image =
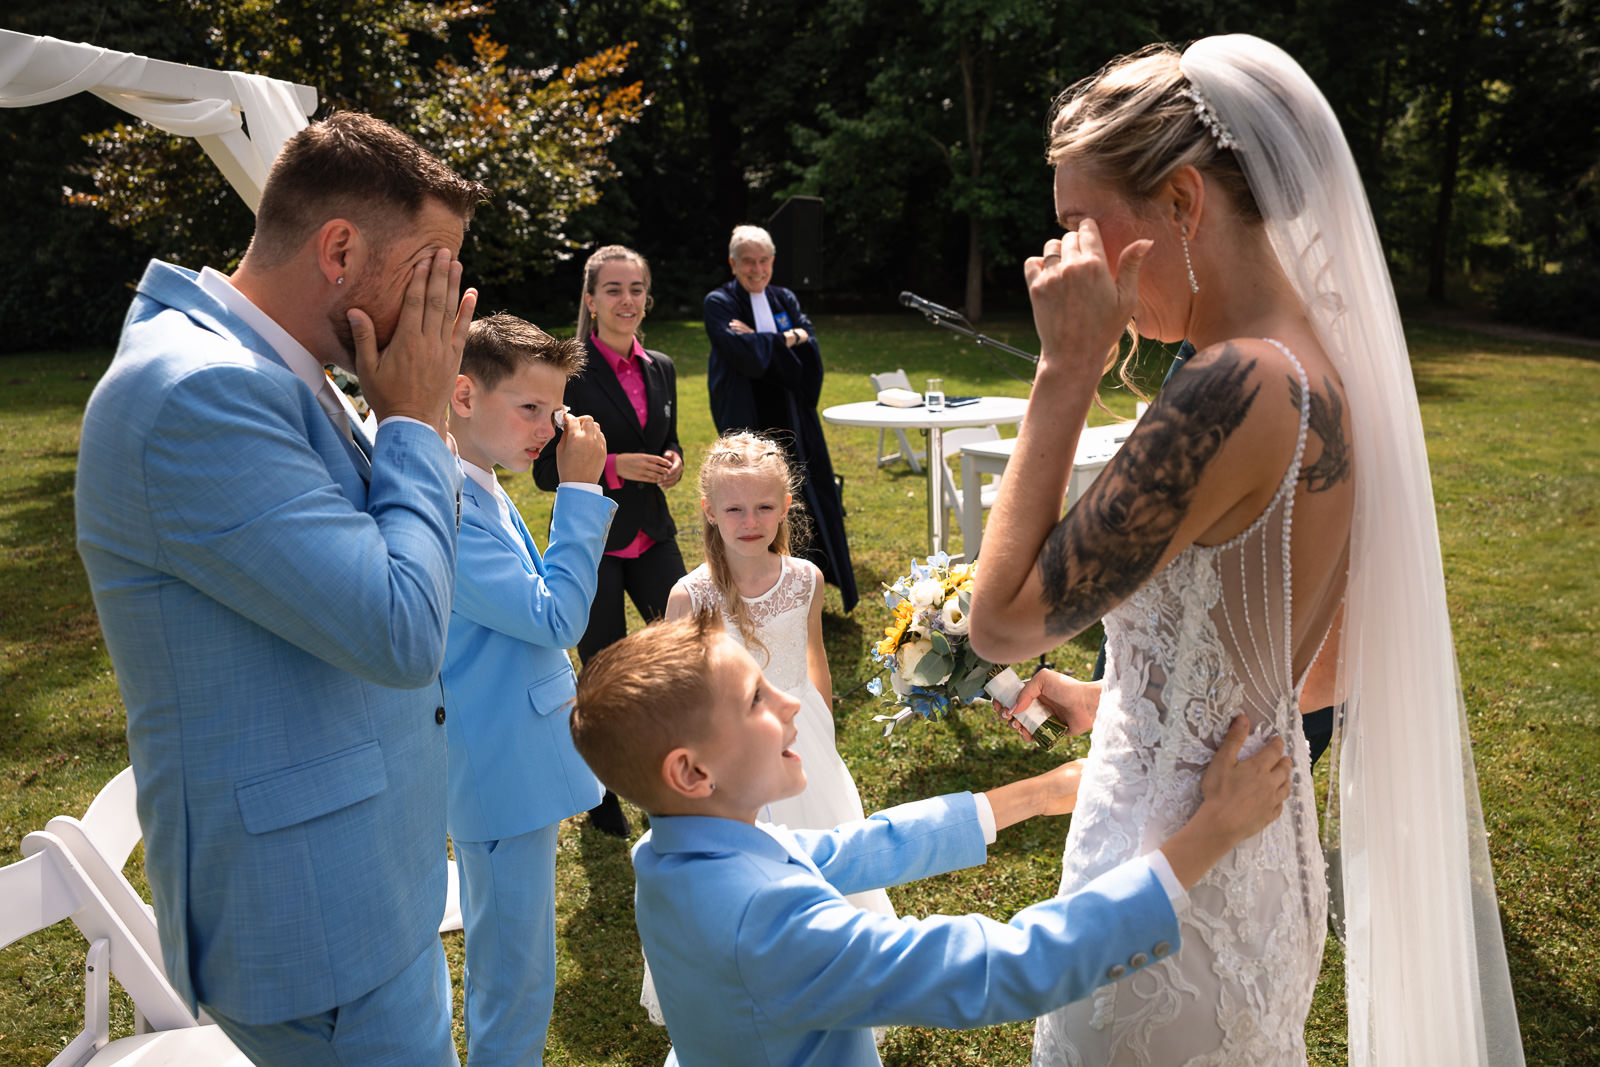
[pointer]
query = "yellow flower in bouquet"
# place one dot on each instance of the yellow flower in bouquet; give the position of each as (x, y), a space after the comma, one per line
(925, 648)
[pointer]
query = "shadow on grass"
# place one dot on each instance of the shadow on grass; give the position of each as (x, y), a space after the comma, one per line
(1554, 1017)
(601, 943)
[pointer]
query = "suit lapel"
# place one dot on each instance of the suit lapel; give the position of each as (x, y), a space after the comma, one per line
(485, 512)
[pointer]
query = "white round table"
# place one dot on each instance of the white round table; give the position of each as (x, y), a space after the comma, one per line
(986, 411)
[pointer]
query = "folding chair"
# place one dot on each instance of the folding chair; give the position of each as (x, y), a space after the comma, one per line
(895, 379)
(954, 497)
(47, 886)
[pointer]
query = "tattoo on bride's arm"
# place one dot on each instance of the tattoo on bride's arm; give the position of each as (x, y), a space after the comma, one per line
(1327, 422)
(1109, 544)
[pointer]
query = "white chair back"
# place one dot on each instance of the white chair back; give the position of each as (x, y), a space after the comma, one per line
(954, 496)
(47, 886)
(896, 379)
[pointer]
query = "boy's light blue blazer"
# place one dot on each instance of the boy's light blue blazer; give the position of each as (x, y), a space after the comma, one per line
(759, 959)
(277, 625)
(508, 682)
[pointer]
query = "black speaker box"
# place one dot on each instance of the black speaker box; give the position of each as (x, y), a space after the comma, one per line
(796, 229)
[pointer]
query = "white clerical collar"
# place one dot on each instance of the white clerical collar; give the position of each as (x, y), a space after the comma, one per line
(762, 312)
(298, 358)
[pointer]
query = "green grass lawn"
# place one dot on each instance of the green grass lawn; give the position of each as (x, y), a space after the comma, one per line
(1515, 443)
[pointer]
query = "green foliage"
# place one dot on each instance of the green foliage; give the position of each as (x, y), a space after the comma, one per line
(538, 139)
(538, 142)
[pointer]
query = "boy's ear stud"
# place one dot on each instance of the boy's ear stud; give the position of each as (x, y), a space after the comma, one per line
(340, 280)
(713, 787)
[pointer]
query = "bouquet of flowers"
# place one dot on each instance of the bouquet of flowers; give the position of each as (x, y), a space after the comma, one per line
(931, 664)
(930, 661)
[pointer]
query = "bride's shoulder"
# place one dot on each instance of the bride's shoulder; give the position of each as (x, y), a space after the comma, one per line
(1243, 380)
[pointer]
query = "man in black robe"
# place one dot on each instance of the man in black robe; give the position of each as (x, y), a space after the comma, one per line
(765, 374)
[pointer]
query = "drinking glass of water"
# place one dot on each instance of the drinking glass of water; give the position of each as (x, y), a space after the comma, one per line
(933, 399)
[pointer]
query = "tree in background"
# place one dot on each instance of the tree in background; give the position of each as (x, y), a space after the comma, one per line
(1476, 125)
(538, 139)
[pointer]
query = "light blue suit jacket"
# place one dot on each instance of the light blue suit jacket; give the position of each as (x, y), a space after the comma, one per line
(276, 622)
(508, 684)
(759, 959)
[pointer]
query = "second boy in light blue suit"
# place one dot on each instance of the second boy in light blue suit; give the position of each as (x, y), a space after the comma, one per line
(513, 771)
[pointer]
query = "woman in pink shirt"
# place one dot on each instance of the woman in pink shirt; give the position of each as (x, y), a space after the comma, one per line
(632, 393)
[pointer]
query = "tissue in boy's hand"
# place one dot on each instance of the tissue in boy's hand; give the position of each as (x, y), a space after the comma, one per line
(900, 398)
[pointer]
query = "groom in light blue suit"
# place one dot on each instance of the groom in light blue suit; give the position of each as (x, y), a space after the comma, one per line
(514, 773)
(274, 587)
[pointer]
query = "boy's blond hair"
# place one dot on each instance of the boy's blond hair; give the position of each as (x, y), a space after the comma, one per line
(499, 344)
(642, 697)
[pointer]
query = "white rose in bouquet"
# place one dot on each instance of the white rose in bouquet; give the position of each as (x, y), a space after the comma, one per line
(927, 592)
(911, 653)
(952, 619)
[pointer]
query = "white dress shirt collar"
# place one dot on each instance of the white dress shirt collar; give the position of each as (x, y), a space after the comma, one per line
(298, 358)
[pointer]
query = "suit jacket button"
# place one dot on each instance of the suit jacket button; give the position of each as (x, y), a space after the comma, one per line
(1161, 949)
(438, 716)
(1138, 959)
(1117, 971)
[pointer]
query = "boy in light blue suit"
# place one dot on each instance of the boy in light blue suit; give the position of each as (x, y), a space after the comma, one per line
(513, 771)
(759, 959)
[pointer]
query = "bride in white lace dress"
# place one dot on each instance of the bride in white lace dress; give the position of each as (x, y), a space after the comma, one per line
(1277, 484)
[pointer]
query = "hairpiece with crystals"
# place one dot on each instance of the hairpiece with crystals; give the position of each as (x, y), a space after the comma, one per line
(1209, 118)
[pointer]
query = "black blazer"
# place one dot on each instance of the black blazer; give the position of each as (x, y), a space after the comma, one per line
(597, 393)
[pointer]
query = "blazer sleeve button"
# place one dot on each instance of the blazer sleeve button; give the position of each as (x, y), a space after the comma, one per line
(438, 715)
(1116, 971)
(1138, 959)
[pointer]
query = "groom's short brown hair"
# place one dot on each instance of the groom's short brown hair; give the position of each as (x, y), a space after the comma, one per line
(353, 166)
(642, 697)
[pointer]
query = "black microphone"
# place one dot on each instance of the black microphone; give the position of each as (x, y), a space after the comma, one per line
(929, 308)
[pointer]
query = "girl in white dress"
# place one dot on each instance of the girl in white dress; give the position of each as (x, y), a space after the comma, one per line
(772, 601)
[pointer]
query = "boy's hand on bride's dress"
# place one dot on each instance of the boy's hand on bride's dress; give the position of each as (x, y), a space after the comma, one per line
(1051, 793)
(1240, 798)
(1059, 788)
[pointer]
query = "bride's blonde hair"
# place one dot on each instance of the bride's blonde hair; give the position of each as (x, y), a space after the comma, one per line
(744, 454)
(1131, 126)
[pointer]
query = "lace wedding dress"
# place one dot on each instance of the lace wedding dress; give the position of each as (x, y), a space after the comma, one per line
(1206, 639)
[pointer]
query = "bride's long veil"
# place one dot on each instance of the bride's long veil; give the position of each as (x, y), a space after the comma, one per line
(1426, 969)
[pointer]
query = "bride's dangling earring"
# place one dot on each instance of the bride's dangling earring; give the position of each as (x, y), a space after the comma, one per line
(1194, 286)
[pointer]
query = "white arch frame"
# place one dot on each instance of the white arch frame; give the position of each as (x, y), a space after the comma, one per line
(241, 120)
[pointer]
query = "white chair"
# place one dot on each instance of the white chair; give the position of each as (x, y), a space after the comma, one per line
(896, 379)
(954, 497)
(104, 838)
(47, 886)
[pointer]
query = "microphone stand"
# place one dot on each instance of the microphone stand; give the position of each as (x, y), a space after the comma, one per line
(960, 325)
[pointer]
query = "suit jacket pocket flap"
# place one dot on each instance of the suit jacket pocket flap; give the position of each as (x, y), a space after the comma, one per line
(553, 692)
(300, 793)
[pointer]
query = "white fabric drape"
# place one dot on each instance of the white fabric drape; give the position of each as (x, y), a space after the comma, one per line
(1427, 981)
(241, 120)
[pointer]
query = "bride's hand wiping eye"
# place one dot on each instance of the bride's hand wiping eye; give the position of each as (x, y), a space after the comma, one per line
(1078, 306)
